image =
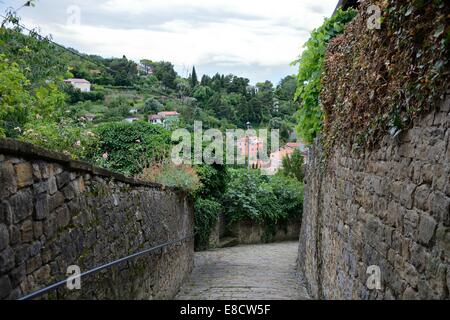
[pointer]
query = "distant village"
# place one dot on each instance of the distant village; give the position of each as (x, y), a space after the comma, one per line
(248, 147)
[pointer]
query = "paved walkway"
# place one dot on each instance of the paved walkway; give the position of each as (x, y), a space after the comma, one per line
(249, 272)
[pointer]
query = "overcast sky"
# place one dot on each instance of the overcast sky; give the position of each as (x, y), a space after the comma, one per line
(252, 38)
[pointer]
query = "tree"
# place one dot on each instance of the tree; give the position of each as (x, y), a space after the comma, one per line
(293, 166)
(148, 64)
(165, 73)
(194, 80)
(152, 106)
(286, 88)
(129, 147)
(124, 71)
(20, 102)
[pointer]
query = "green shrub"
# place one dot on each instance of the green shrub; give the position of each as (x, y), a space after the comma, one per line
(264, 199)
(63, 137)
(206, 216)
(293, 165)
(168, 174)
(130, 147)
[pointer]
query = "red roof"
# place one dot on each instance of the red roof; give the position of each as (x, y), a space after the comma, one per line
(168, 113)
(293, 145)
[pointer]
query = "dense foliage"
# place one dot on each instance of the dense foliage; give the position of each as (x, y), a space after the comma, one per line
(97, 126)
(130, 147)
(377, 81)
(208, 201)
(63, 136)
(170, 175)
(206, 217)
(311, 67)
(265, 199)
(293, 166)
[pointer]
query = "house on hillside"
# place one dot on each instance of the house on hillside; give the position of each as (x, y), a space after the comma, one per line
(276, 158)
(131, 119)
(164, 118)
(155, 119)
(249, 147)
(145, 69)
(90, 116)
(81, 84)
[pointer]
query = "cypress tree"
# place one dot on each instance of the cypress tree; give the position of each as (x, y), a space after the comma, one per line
(194, 80)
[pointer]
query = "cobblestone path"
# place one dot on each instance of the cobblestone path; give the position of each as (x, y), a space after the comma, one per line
(245, 272)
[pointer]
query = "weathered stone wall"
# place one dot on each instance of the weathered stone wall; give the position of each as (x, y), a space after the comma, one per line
(249, 232)
(55, 213)
(389, 207)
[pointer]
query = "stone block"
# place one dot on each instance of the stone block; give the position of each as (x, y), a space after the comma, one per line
(26, 231)
(418, 257)
(28, 285)
(55, 201)
(36, 172)
(33, 263)
(40, 187)
(14, 235)
(42, 207)
(410, 294)
(35, 248)
(406, 196)
(52, 185)
(17, 275)
(21, 205)
(50, 227)
(38, 229)
(427, 173)
(427, 228)
(24, 174)
(410, 222)
(410, 274)
(421, 197)
(79, 185)
(62, 179)
(62, 217)
(6, 215)
(443, 239)
(4, 236)
(47, 170)
(7, 179)
(5, 286)
(440, 207)
(42, 275)
(6, 260)
(68, 191)
(22, 253)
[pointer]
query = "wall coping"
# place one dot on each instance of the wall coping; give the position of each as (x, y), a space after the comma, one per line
(32, 151)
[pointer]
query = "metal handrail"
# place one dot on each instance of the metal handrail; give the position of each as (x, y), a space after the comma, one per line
(58, 284)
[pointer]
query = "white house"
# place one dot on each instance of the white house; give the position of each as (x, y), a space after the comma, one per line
(131, 119)
(164, 118)
(81, 84)
(155, 119)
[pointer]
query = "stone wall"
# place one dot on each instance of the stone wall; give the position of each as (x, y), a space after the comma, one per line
(249, 232)
(389, 207)
(56, 212)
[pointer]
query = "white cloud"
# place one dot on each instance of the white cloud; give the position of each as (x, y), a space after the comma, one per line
(268, 34)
